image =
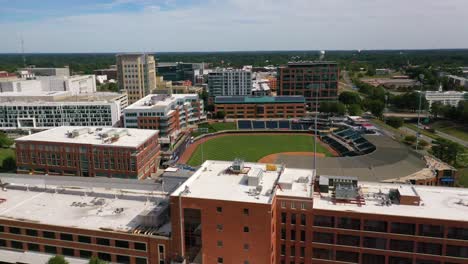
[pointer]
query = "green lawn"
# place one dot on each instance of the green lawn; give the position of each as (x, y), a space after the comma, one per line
(451, 128)
(215, 127)
(253, 147)
(463, 177)
(424, 132)
(5, 153)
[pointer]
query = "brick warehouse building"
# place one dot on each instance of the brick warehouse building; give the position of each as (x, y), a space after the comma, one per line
(261, 106)
(303, 78)
(89, 152)
(239, 213)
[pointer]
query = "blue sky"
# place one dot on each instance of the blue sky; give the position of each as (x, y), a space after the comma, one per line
(212, 25)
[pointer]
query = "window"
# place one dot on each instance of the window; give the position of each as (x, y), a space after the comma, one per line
(246, 246)
(220, 260)
(104, 256)
(219, 227)
(246, 211)
(303, 219)
(399, 260)
(372, 259)
(375, 242)
(457, 251)
(348, 240)
(301, 252)
(321, 253)
(349, 223)
(219, 243)
(283, 233)
(85, 254)
(48, 234)
(325, 221)
(401, 245)
(457, 233)
(2, 243)
(283, 204)
(84, 239)
(17, 244)
(431, 230)
(219, 209)
(15, 230)
(50, 249)
(283, 217)
(347, 256)
(122, 244)
(2, 229)
(67, 237)
(293, 251)
(123, 259)
(293, 205)
(246, 229)
(303, 206)
(303, 235)
(144, 261)
(322, 237)
(293, 219)
(68, 252)
(403, 228)
(31, 232)
(293, 234)
(103, 241)
(375, 226)
(283, 250)
(140, 246)
(430, 248)
(33, 247)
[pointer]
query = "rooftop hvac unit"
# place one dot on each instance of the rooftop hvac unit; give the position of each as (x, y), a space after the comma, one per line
(254, 177)
(77, 132)
(237, 166)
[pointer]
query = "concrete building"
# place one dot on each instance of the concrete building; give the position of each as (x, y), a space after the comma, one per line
(309, 79)
(77, 84)
(261, 106)
(447, 98)
(76, 217)
(226, 82)
(136, 74)
(111, 72)
(89, 152)
(170, 114)
(179, 71)
(43, 110)
(38, 71)
(261, 87)
(458, 81)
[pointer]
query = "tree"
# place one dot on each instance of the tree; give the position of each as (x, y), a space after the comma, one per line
(96, 260)
(5, 141)
(338, 108)
(376, 107)
(108, 87)
(354, 110)
(324, 107)
(394, 121)
(349, 98)
(220, 114)
(410, 139)
(9, 164)
(57, 260)
(436, 109)
(447, 150)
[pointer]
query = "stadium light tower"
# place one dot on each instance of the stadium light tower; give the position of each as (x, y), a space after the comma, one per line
(418, 132)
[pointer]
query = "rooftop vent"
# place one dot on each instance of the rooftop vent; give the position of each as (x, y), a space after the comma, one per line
(77, 132)
(237, 166)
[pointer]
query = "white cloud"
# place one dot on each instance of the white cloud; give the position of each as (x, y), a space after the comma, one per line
(251, 25)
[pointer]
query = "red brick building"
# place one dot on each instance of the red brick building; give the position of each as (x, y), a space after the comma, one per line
(261, 106)
(308, 79)
(89, 152)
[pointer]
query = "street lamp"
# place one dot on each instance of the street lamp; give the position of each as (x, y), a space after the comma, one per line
(418, 133)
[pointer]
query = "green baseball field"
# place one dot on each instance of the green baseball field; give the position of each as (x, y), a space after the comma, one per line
(253, 147)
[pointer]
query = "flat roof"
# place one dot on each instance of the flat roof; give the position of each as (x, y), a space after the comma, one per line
(72, 205)
(92, 136)
(57, 96)
(445, 203)
(258, 99)
(159, 101)
(214, 180)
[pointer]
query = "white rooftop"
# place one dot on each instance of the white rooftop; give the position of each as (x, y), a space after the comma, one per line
(93, 135)
(70, 207)
(445, 203)
(159, 101)
(214, 180)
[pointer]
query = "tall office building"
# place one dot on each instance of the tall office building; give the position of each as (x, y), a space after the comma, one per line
(136, 75)
(307, 78)
(224, 82)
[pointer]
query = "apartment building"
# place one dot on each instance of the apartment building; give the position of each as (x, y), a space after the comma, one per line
(78, 218)
(89, 152)
(261, 106)
(40, 71)
(77, 84)
(170, 114)
(309, 79)
(227, 82)
(43, 110)
(136, 74)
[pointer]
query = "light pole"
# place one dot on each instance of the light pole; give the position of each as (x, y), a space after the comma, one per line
(421, 79)
(315, 128)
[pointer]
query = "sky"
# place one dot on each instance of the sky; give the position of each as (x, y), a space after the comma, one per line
(230, 25)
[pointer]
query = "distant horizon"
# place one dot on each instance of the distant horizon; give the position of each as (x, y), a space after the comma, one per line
(232, 51)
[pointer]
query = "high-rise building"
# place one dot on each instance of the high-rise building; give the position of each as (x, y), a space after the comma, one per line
(136, 74)
(309, 79)
(89, 152)
(225, 82)
(179, 71)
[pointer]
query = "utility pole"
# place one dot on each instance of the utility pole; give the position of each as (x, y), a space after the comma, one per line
(418, 133)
